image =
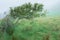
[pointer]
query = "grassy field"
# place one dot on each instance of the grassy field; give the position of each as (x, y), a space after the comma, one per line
(37, 29)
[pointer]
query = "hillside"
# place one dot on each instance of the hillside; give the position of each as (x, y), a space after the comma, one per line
(45, 28)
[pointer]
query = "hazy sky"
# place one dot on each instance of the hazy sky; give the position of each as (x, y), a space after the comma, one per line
(53, 6)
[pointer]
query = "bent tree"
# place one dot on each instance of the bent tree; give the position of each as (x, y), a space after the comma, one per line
(27, 11)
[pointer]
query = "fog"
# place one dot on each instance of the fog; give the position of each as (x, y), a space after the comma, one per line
(52, 6)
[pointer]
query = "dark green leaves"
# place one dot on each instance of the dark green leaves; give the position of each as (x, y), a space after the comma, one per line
(27, 10)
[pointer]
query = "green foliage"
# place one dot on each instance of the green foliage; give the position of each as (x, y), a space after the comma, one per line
(47, 29)
(27, 10)
(7, 25)
(37, 29)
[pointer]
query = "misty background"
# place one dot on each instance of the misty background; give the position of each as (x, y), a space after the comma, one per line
(52, 6)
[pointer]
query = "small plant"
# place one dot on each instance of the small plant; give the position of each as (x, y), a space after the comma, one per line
(46, 37)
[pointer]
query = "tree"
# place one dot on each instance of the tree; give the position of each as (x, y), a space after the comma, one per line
(44, 13)
(7, 25)
(27, 11)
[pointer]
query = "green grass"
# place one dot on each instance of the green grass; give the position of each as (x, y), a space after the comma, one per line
(37, 29)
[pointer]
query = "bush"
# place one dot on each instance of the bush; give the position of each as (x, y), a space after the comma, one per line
(37, 29)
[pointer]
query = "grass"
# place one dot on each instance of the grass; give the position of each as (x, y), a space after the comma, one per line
(38, 29)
